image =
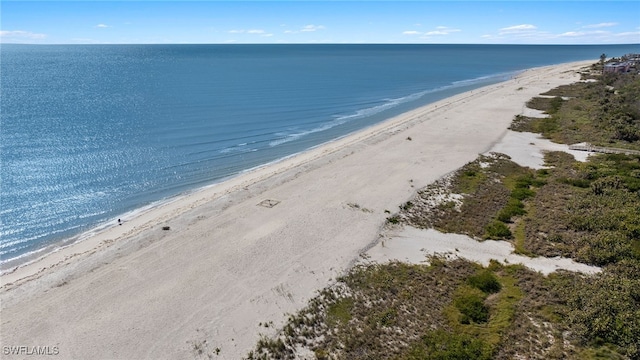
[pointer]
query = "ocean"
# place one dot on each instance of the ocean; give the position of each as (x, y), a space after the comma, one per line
(93, 133)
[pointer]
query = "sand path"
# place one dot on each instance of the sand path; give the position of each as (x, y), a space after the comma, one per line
(229, 264)
(412, 245)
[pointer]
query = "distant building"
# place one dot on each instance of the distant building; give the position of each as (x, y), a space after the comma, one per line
(617, 67)
(632, 58)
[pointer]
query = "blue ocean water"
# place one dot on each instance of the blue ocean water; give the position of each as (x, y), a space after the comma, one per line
(91, 132)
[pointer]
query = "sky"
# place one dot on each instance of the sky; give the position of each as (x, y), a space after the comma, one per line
(302, 21)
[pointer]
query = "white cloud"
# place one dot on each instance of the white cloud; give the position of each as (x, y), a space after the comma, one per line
(630, 33)
(102, 26)
(600, 25)
(310, 28)
(442, 30)
(523, 31)
(518, 29)
(571, 34)
(582, 33)
(586, 34)
(250, 31)
(21, 35)
(307, 28)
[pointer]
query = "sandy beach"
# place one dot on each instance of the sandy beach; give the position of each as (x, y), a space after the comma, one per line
(250, 250)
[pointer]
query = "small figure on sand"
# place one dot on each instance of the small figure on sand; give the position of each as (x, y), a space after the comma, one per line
(119, 222)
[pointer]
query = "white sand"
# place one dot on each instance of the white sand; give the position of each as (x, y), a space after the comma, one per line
(527, 149)
(227, 264)
(413, 245)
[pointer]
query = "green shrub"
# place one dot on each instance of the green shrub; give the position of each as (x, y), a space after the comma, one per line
(395, 219)
(387, 317)
(604, 309)
(606, 184)
(340, 311)
(514, 207)
(406, 206)
(606, 247)
(486, 281)
(543, 172)
(497, 230)
(522, 193)
(471, 306)
(581, 183)
(546, 126)
(442, 345)
(556, 104)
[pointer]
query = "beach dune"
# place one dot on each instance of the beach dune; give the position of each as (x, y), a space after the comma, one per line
(244, 253)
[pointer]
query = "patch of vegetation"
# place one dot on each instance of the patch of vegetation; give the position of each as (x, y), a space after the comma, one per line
(470, 304)
(604, 113)
(339, 312)
(587, 211)
(546, 104)
(575, 90)
(605, 310)
(406, 206)
(523, 123)
(441, 345)
(514, 207)
(484, 193)
(485, 281)
(395, 219)
(445, 310)
(469, 178)
(375, 311)
(495, 192)
(497, 230)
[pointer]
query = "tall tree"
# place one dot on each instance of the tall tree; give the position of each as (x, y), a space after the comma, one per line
(603, 57)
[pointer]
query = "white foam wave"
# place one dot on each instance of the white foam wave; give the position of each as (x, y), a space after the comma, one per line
(481, 79)
(291, 137)
(342, 119)
(238, 148)
(386, 105)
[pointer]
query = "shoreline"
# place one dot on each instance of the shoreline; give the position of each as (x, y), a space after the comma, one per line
(67, 245)
(12, 264)
(241, 263)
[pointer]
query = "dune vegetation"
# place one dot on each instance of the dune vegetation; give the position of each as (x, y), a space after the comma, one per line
(456, 309)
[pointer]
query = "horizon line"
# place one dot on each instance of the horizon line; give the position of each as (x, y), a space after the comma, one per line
(328, 43)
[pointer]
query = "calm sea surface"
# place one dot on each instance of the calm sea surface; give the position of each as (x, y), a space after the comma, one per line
(91, 133)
